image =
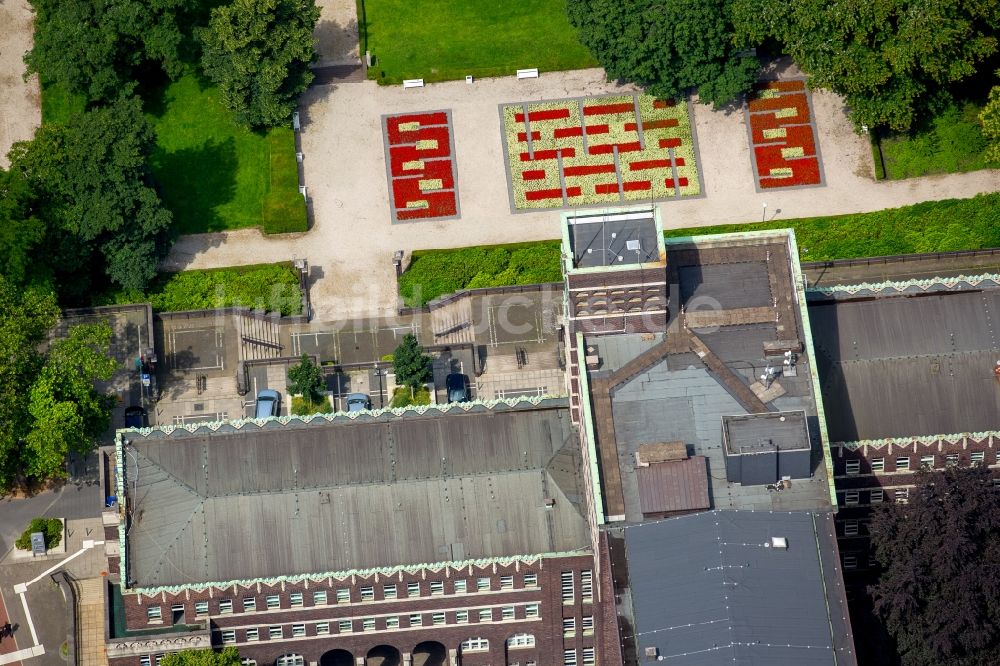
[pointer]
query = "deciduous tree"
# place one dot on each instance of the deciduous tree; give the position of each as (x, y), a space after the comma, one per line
(92, 46)
(940, 555)
(990, 118)
(890, 59)
(225, 657)
(666, 46)
(259, 52)
(306, 379)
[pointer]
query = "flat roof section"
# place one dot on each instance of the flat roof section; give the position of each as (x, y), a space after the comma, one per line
(675, 486)
(774, 431)
(339, 495)
(905, 366)
(613, 240)
(713, 588)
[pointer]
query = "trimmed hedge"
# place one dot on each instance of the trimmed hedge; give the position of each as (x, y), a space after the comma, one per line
(52, 528)
(932, 226)
(270, 287)
(305, 407)
(284, 208)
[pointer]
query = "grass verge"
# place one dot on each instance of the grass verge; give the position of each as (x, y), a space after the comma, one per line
(932, 226)
(437, 41)
(216, 175)
(270, 287)
(950, 142)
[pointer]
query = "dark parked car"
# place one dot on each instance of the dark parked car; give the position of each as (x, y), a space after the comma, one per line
(457, 386)
(268, 404)
(136, 417)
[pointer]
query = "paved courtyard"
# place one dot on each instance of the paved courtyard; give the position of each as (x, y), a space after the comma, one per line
(20, 109)
(351, 244)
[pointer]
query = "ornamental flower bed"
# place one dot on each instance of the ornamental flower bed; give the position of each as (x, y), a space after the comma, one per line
(783, 136)
(598, 150)
(420, 166)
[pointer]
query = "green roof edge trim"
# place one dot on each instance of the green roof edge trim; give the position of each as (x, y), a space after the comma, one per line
(588, 426)
(901, 285)
(923, 439)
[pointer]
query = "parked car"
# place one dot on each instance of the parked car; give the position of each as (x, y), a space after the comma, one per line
(457, 386)
(268, 404)
(357, 402)
(136, 417)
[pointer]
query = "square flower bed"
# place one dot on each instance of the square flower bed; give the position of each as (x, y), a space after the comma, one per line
(420, 166)
(598, 150)
(783, 136)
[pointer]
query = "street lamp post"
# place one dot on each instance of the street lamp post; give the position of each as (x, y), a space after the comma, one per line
(379, 372)
(764, 216)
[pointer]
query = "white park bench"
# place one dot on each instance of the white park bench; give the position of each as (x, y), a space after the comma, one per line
(527, 73)
(413, 83)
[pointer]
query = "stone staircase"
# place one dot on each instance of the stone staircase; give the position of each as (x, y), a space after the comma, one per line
(259, 338)
(452, 323)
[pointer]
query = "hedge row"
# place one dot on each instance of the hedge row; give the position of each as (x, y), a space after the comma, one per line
(933, 226)
(270, 287)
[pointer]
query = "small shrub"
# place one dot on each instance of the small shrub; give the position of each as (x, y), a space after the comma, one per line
(304, 407)
(402, 397)
(51, 527)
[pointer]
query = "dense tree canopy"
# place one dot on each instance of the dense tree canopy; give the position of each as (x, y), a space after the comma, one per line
(990, 118)
(940, 583)
(225, 657)
(410, 364)
(48, 403)
(81, 192)
(259, 52)
(305, 378)
(890, 59)
(92, 46)
(666, 46)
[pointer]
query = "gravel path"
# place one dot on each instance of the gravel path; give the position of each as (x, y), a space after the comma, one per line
(351, 245)
(20, 110)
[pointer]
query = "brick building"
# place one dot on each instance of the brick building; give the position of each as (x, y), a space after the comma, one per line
(909, 381)
(456, 537)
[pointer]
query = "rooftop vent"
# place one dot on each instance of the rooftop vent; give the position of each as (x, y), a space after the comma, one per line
(549, 502)
(779, 542)
(652, 652)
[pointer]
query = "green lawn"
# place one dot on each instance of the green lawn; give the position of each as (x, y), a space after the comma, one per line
(215, 175)
(933, 226)
(269, 287)
(950, 142)
(437, 41)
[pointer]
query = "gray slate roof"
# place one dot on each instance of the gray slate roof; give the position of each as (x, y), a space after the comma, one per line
(706, 591)
(907, 366)
(327, 497)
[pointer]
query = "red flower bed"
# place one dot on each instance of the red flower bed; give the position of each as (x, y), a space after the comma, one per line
(650, 164)
(534, 174)
(606, 188)
(663, 103)
(606, 109)
(588, 170)
(409, 166)
(798, 133)
(553, 114)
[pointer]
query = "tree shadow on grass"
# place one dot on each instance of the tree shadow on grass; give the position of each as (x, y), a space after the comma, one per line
(195, 182)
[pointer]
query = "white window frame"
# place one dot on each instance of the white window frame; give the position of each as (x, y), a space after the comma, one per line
(587, 586)
(851, 497)
(295, 600)
(275, 632)
(507, 613)
(878, 465)
(531, 580)
(438, 619)
(154, 615)
(367, 624)
(290, 660)
(345, 626)
(532, 610)
(389, 591)
(901, 495)
(587, 625)
(200, 608)
(506, 582)
(852, 467)
(876, 496)
(569, 627)
(569, 657)
(568, 587)
(343, 595)
(977, 457)
(589, 658)
(298, 630)
(225, 606)
(903, 464)
(461, 586)
(273, 601)
(437, 588)
(249, 604)
(951, 459)
(228, 636)
(368, 593)
(319, 598)
(927, 461)
(521, 641)
(392, 622)
(485, 614)
(248, 662)
(483, 584)
(476, 644)
(850, 561)
(416, 620)
(462, 617)
(322, 628)
(413, 589)
(145, 660)
(253, 634)
(851, 527)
